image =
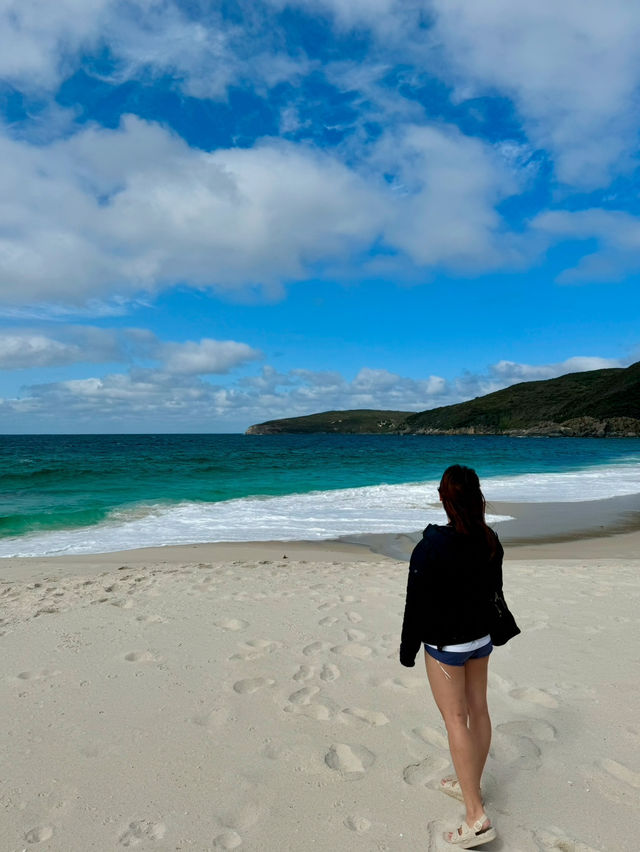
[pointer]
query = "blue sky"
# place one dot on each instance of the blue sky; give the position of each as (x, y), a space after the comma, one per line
(213, 214)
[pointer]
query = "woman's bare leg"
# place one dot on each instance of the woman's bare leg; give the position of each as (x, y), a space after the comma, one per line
(448, 684)
(479, 720)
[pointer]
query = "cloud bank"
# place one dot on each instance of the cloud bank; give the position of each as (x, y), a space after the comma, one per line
(116, 212)
(99, 214)
(177, 393)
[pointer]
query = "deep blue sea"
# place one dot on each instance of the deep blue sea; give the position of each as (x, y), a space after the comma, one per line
(96, 493)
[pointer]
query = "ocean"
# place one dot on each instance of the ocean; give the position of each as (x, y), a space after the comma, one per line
(71, 494)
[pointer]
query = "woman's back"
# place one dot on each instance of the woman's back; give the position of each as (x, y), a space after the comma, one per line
(452, 579)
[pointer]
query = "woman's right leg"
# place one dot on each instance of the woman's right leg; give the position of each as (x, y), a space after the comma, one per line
(448, 684)
(479, 720)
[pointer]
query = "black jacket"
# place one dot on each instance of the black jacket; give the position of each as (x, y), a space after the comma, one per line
(452, 579)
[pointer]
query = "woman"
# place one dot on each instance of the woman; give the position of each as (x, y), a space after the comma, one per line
(454, 573)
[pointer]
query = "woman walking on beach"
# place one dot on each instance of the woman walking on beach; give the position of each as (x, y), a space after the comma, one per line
(454, 573)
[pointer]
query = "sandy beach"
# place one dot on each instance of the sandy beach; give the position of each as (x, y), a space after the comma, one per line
(249, 696)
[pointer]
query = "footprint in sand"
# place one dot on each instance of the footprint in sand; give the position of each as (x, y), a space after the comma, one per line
(425, 773)
(352, 649)
(150, 619)
(354, 635)
(500, 683)
(300, 702)
(354, 617)
(140, 657)
(39, 834)
(304, 673)
(254, 649)
(304, 695)
(403, 682)
(328, 621)
(329, 673)
(142, 830)
(43, 674)
(232, 624)
(50, 610)
(534, 696)
(252, 684)
(227, 840)
(366, 717)
(264, 645)
(535, 729)
(620, 772)
(276, 751)
(315, 648)
(318, 712)
(535, 621)
(431, 736)
(520, 752)
(214, 718)
(551, 840)
(359, 824)
(242, 818)
(123, 603)
(351, 761)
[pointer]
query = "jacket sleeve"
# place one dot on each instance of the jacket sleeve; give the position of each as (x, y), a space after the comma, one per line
(411, 625)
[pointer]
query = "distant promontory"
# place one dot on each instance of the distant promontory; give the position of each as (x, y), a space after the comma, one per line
(593, 404)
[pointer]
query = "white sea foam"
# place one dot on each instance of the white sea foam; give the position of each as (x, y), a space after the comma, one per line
(318, 515)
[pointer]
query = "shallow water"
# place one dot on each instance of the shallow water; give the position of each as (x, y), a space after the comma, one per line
(91, 493)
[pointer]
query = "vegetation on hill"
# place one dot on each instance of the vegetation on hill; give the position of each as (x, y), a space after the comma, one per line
(359, 422)
(596, 403)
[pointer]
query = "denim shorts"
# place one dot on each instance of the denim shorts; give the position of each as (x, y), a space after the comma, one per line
(459, 658)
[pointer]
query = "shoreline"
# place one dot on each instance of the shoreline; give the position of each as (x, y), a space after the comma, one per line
(602, 528)
(544, 530)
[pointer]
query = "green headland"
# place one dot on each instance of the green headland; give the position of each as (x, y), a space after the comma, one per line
(597, 403)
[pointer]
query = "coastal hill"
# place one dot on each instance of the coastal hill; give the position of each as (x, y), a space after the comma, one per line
(362, 421)
(597, 403)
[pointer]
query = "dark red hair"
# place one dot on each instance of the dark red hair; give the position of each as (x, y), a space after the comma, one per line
(464, 502)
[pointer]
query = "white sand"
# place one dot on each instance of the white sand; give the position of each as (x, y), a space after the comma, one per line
(222, 697)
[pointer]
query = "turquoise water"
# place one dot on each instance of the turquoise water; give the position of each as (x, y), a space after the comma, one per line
(102, 484)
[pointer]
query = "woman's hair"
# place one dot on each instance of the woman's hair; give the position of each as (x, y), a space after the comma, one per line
(464, 502)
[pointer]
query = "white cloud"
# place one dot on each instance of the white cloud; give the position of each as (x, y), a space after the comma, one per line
(572, 69)
(157, 37)
(511, 371)
(99, 217)
(206, 356)
(205, 53)
(120, 211)
(143, 397)
(617, 235)
(18, 351)
(75, 344)
(114, 212)
(505, 373)
(446, 189)
(30, 348)
(40, 40)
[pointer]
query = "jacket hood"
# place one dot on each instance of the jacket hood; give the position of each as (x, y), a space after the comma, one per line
(437, 529)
